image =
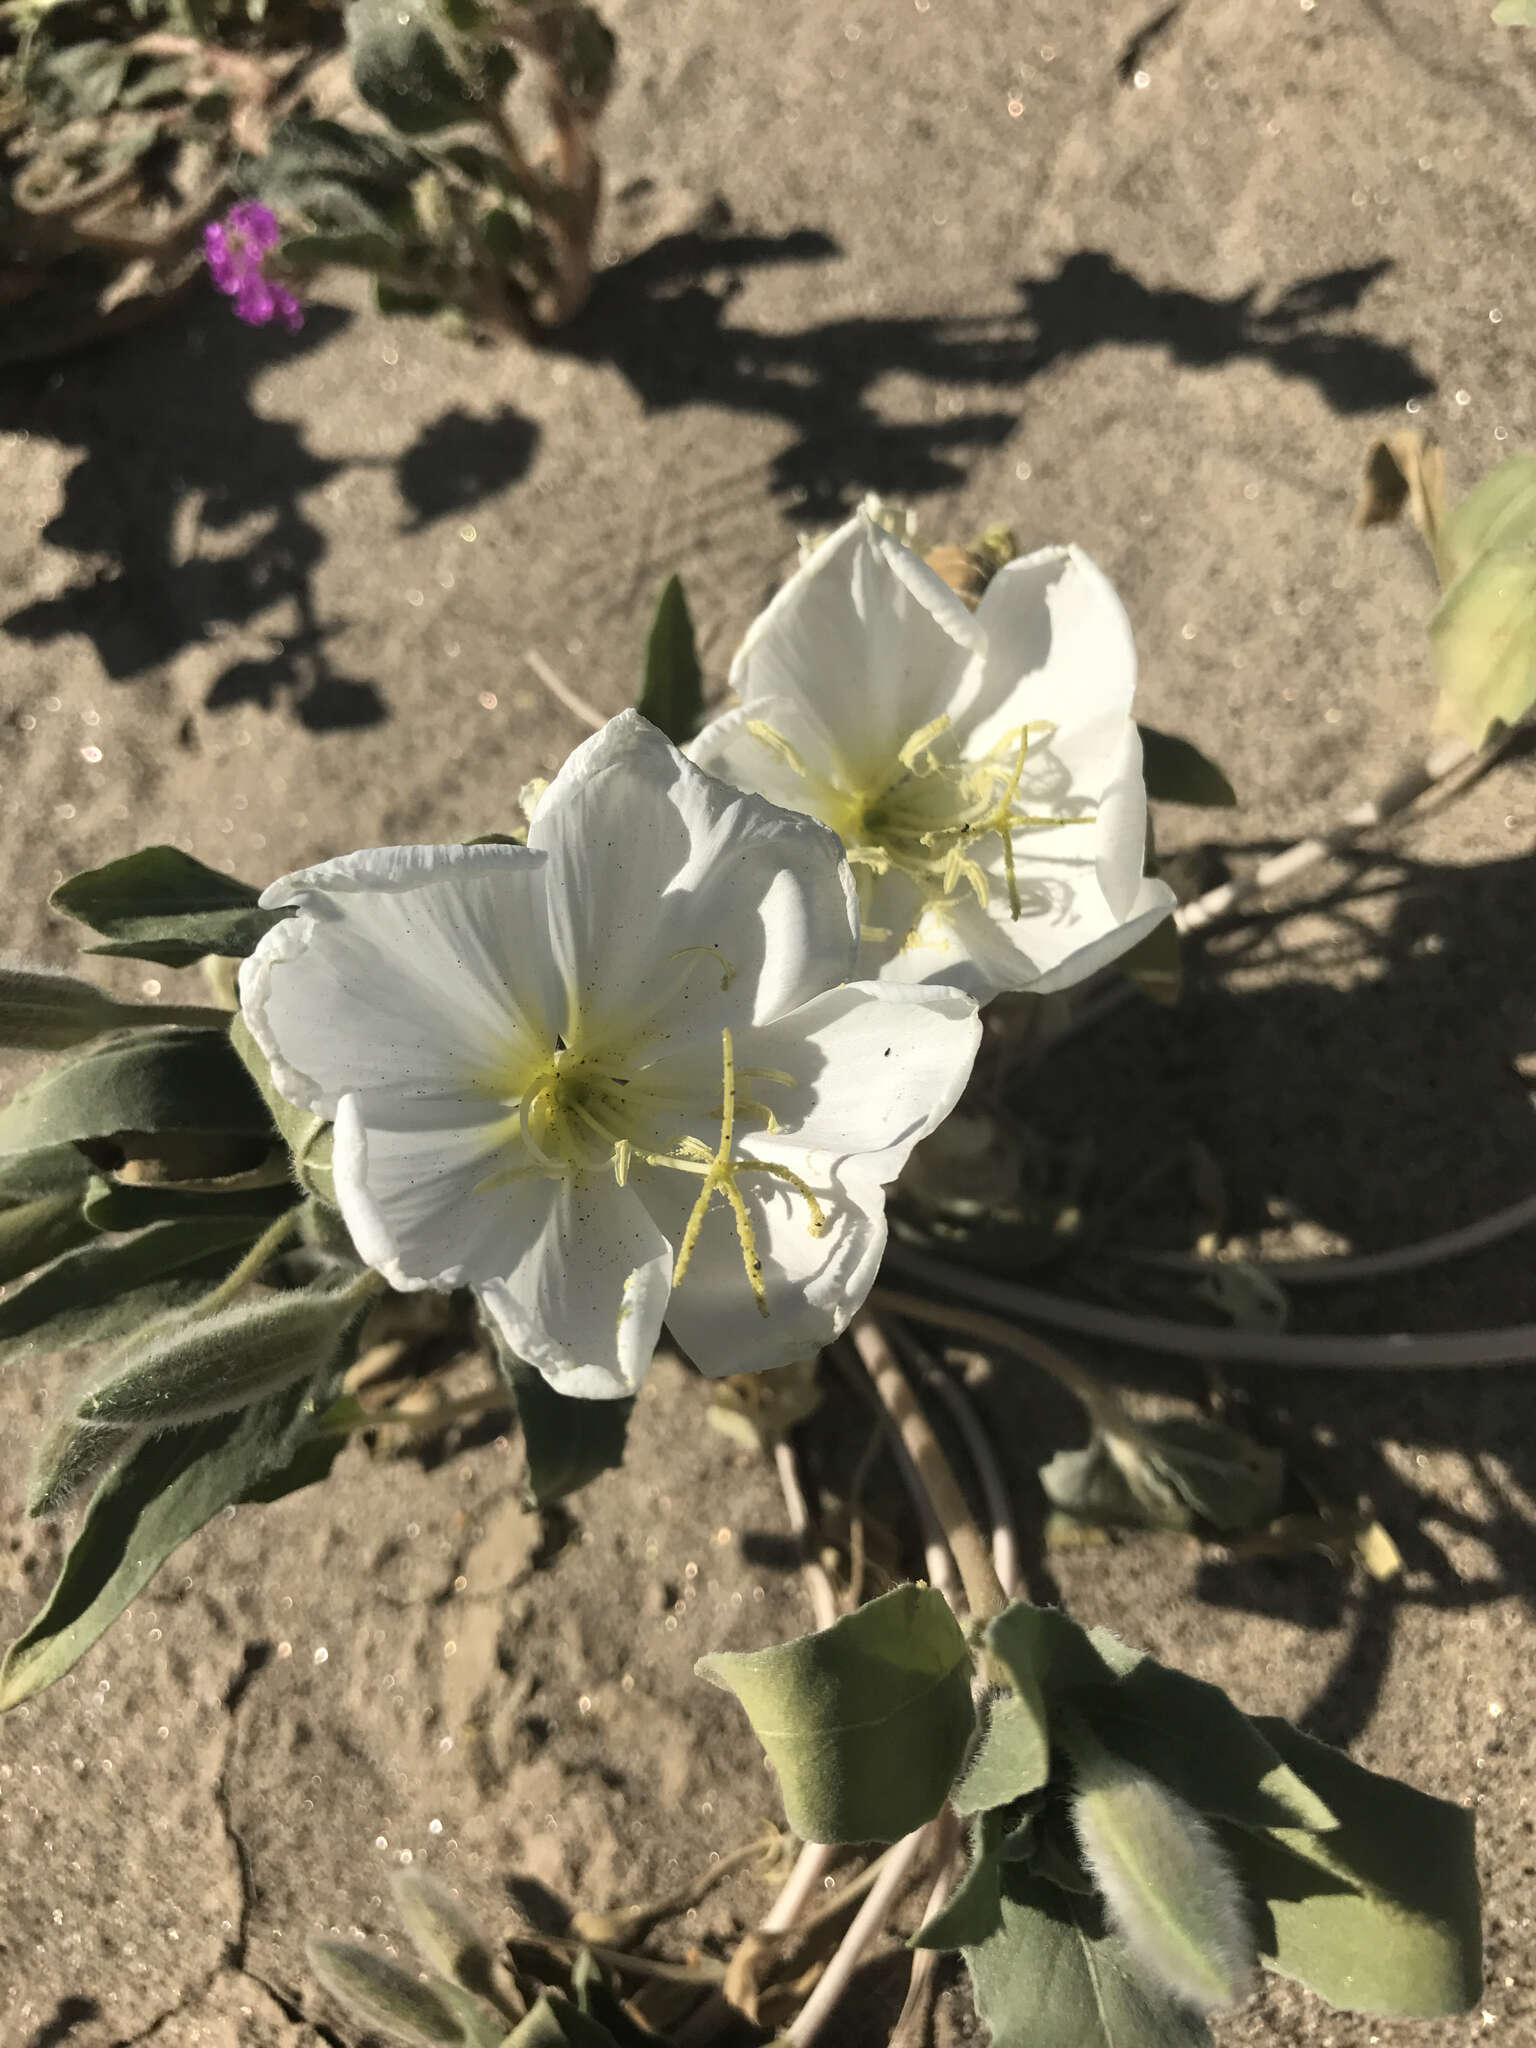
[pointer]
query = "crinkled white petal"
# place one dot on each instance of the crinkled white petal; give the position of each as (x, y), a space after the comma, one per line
(1058, 646)
(427, 965)
(867, 637)
(877, 1067)
(416, 1179)
(682, 904)
(729, 749)
(583, 1303)
(814, 1285)
(1072, 934)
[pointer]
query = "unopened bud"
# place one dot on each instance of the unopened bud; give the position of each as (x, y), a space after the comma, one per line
(71, 1455)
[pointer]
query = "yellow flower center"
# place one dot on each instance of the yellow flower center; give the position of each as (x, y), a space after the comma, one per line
(931, 817)
(580, 1113)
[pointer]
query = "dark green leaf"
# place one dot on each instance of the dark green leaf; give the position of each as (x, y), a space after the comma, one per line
(384, 1994)
(973, 1912)
(130, 1205)
(1012, 1759)
(163, 1493)
(1202, 1746)
(1380, 1915)
(333, 180)
(407, 305)
(56, 1170)
(31, 1233)
(566, 1442)
(78, 82)
(64, 1302)
(598, 2002)
(555, 2023)
(359, 251)
(402, 67)
(1051, 1977)
(673, 693)
(1156, 963)
(865, 1722)
(162, 1079)
(43, 1012)
(1045, 1656)
(1170, 1474)
(1176, 772)
(162, 905)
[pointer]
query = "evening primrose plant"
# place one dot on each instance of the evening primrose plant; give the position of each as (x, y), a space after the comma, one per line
(651, 1067)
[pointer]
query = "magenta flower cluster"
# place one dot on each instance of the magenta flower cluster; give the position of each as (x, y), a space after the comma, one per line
(237, 248)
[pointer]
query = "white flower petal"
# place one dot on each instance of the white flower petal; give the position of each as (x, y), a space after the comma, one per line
(665, 884)
(728, 749)
(1059, 647)
(866, 637)
(877, 1067)
(411, 1173)
(584, 1302)
(1154, 900)
(982, 952)
(420, 964)
(814, 1285)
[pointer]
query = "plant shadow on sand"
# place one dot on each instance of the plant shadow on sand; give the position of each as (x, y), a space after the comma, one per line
(1374, 1087)
(187, 507)
(662, 318)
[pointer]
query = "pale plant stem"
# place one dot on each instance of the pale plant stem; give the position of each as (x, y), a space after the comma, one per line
(984, 1596)
(1343, 1268)
(938, 1564)
(1515, 1345)
(817, 1584)
(812, 1865)
(912, 2021)
(562, 692)
(1005, 1542)
(867, 1923)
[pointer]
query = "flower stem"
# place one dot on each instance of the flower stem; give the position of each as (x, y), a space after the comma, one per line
(895, 1869)
(984, 1595)
(817, 1585)
(270, 1242)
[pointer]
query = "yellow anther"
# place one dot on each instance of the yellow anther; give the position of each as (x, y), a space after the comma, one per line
(623, 1152)
(911, 754)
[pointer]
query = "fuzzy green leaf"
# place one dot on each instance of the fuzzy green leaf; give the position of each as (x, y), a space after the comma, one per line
(566, 1442)
(55, 1170)
(76, 1298)
(555, 2023)
(1483, 642)
(32, 1233)
(1167, 1886)
(384, 1994)
(1176, 772)
(672, 696)
(170, 1486)
(1380, 1915)
(1046, 1655)
(1172, 1473)
(130, 1205)
(44, 1012)
(973, 1912)
(161, 1079)
(163, 905)
(193, 1366)
(865, 1722)
(1193, 1738)
(1012, 1759)
(1498, 512)
(70, 1456)
(1051, 1977)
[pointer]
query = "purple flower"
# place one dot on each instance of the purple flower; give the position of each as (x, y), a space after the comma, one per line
(236, 248)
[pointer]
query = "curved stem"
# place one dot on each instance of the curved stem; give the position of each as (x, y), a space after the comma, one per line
(1515, 1345)
(817, 1585)
(270, 1242)
(983, 1594)
(895, 1868)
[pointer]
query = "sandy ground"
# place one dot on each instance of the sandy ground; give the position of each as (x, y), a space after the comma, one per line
(269, 599)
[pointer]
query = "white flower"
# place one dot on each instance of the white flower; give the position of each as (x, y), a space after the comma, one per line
(614, 1075)
(981, 768)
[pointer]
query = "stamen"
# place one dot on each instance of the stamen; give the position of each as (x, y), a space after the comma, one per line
(912, 753)
(728, 967)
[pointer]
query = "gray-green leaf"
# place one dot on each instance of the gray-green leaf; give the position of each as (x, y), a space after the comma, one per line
(1012, 1758)
(161, 1079)
(865, 1722)
(163, 905)
(566, 1442)
(77, 1298)
(1051, 1977)
(32, 1233)
(1382, 1914)
(149, 1505)
(672, 696)
(384, 1994)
